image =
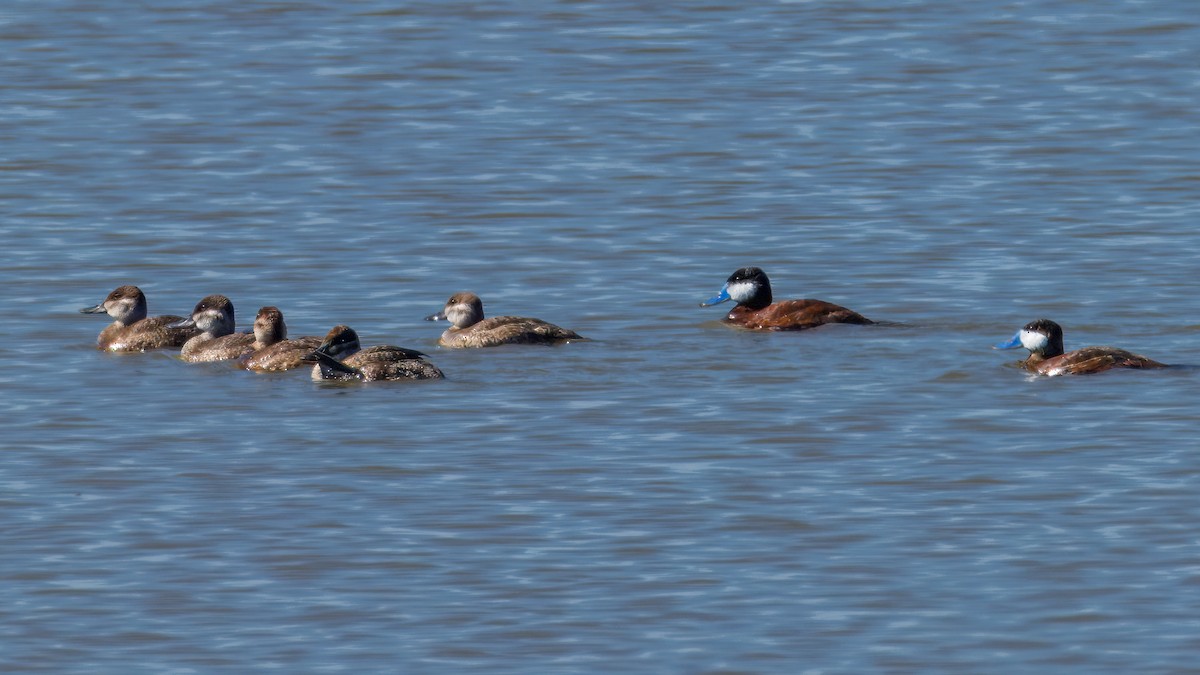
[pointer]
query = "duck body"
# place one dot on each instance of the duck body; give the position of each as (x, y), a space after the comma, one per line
(273, 351)
(1090, 360)
(385, 362)
(470, 329)
(132, 330)
(1044, 340)
(793, 315)
(214, 317)
(340, 357)
(281, 356)
(755, 309)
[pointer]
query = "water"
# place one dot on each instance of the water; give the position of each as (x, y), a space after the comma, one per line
(674, 496)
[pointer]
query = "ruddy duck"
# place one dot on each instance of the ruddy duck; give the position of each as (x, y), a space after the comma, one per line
(273, 351)
(470, 329)
(341, 357)
(1044, 340)
(216, 342)
(751, 290)
(131, 330)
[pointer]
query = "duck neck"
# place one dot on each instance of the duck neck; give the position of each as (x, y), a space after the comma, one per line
(760, 300)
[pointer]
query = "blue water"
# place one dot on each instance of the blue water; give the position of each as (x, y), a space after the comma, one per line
(673, 496)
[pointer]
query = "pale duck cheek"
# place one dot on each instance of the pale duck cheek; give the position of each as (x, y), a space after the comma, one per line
(461, 315)
(209, 319)
(741, 291)
(1032, 341)
(118, 309)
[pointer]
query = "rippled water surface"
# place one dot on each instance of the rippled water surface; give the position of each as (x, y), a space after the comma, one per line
(673, 496)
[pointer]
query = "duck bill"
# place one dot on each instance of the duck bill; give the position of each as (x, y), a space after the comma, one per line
(97, 309)
(439, 316)
(329, 364)
(718, 298)
(315, 355)
(1011, 344)
(183, 323)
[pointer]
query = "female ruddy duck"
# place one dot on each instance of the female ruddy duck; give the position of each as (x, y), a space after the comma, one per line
(341, 357)
(131, 330)
(751, 290)
(1044, 340)
(276, 353)
(470, 329)
(216, 342)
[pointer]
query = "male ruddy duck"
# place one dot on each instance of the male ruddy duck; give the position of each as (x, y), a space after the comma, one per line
(470, 329)
(131, 330)
(1044, 340)
(276, 353)
(216, 342)
(341, 357)
(751, 290)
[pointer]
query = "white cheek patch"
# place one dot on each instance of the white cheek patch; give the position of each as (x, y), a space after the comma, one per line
(459, 315)
(208, 320)
(741, 291)
(1034, 342)
(122, 307)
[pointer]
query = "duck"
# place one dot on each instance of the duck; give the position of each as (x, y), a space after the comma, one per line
(132, 330)
(1044, 340)
(340, 356)
(214, 316)
(469, 328)
(273, 351)
(750, 289)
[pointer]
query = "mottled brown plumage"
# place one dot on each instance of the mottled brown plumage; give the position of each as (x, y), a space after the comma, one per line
(131, 330)
(214, 316)
(470, 329)
(281, 356)
(273, 351)
(339, 357)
